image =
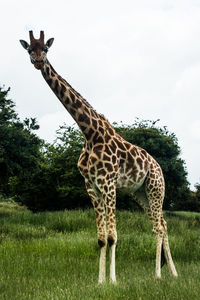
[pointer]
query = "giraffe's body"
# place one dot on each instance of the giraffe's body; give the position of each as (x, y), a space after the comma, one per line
(108, 162)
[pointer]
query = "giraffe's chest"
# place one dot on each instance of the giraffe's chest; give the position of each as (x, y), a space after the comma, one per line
(131, 182)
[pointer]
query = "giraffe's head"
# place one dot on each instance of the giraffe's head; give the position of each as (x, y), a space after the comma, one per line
(37, 49)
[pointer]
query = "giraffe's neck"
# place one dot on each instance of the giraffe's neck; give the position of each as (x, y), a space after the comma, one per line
(81, 111)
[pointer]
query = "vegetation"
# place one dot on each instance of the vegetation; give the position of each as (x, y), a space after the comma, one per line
(19, 147)
(54, 255)
(163, 146)
(45, 176)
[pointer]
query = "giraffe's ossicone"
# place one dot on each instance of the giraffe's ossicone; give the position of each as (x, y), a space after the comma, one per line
(108, 162)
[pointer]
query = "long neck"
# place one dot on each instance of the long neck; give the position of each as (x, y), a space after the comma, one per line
(81, 111)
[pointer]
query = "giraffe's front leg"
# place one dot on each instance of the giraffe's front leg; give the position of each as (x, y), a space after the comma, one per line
(99, 208)
(112, 261)
(102, 240)
(111, 229)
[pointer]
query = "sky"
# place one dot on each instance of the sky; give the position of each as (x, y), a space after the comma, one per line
(129, 59)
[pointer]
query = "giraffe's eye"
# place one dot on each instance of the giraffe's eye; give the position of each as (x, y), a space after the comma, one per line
(45, 50)
(29, 51)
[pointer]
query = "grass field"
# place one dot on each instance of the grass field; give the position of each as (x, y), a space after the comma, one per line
(55, 256)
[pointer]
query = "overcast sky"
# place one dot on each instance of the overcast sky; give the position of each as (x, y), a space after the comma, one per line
(127, 58)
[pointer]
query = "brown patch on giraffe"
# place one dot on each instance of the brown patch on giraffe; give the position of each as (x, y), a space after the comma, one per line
(146, 165)
(98, 150)
(77, 104)
(100, 165)
(140, 162)
(106, 157)
(144, 152)
(97, 139)
(113, 146)
(142, 156)
(127, 145)
(121, 154)
(119, 144)
(89, 134)
(121, 162)
(94, 114)
(108, 210)
(87, 110)
(56, 87)
(83, 128)
(47, 71)
(93, 159)
(53, 74)
(72, 111)
(100, 123)
(92, 170)
(49, 81)
(141, 175)
(84, 161)
(133, 152)
(67, 100)
(72, 96)
(114, 159)
(95, 203)
(109, 167)
(107, 150)
(94, 123)
(130, 163)
(101, 130)
(108, 177)
(130, 158)
(101, 172)
(83, 118)
(101, 181)
(116, 168)
(111, 131)
(107, 138)
(62, 90)
(105, 188)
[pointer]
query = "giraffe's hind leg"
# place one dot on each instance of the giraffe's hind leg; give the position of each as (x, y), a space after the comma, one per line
(143, 201)
(168, 255)
(154, 211)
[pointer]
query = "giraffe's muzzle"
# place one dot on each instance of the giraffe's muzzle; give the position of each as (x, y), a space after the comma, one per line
(38, 64)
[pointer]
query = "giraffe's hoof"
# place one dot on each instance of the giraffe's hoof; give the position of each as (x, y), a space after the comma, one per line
(110, 241)
(113, 281)
(101, 281)
(101, 243)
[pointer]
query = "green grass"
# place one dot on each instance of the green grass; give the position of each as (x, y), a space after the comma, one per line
(55, 256)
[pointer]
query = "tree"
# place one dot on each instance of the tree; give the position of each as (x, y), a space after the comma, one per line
(193, 203)
(19, 147)
(163, 146)
(58, 184)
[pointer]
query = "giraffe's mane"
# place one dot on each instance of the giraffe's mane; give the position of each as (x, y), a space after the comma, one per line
(78, 95)
(82, 98)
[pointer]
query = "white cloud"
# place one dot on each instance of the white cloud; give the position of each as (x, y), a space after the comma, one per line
(195, 129)
(49, 123)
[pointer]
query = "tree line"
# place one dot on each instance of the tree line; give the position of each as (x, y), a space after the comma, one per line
(45, 176)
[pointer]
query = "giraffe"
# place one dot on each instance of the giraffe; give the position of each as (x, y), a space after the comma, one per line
(108, 162)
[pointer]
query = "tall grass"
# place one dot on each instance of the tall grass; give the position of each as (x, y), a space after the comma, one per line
(55, 256)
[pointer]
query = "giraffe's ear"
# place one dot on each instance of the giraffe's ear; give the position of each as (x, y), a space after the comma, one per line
(49, 42)
(24, 44)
